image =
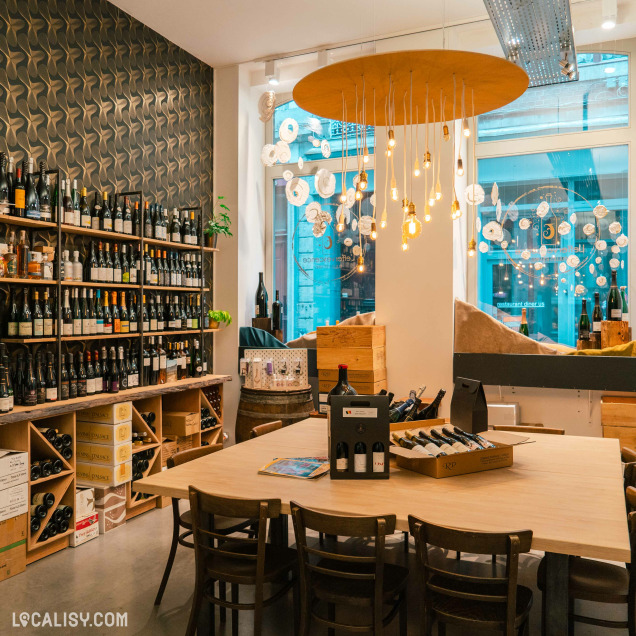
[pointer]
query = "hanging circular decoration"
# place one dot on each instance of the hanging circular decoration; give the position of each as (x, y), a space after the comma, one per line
(598, 260)
(564, 228)
(324, 216)
(288, 130)
(354, 224)
(325, 183)
(573, 218)
(483, 247)
(543, 250)
(573, 260)
(592, 268)
(494, 193)
(622, 241)
(512, 212)
(492, 231)
(268, 155)
(600, 211)
(542, 209)
(580, 289)
(351, 198)
(365, 225)
(589, 229)
(538, 265)
(525, 255)
(601, 281)
(504, 244)
(320, 227)
(301, 163)
(325, 148)
(315, 143)
(345, 212)
(348, 241)
(314, 124)
(283, 151)
(474, 194)
(601, 245)
(478, 224)
(287, 175)
(498, 210)
(357, 250)
(563, 280)
(312, 210)
(615, 249)
(524, 224)
(614, 263)
(372, 199)
(563, 267)
(266, 105)
(297, 191)
(615, 227)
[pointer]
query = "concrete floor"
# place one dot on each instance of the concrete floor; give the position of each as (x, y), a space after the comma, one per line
(121, 571)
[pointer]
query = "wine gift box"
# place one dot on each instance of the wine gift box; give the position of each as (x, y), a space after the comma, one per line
(469, 409)
(359, 420)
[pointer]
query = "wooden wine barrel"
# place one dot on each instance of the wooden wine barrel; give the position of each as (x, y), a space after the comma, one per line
(259, 407)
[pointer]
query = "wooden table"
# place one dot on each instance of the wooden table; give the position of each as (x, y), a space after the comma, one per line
(568, 490)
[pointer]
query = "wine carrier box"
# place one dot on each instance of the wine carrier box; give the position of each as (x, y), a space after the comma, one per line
(113, 434)
(107, 413)
(357, 419)
(14, 468)
(86, 517)
(461, 463)
(180, 423)
(100, 475)
(13, 536)
(110, 504)
(110, 455)
(618, 418)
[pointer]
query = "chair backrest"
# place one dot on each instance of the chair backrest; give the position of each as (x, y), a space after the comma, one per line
(475, 586)
(628, 454)
(529, 429)
(205, 507)
(185, 456)
(630, 499)
(263, 429)
(629, 475)
(349, 566)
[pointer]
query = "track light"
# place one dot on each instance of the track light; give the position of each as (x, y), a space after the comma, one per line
(272, 73)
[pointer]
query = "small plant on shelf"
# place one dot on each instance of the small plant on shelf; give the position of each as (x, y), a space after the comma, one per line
(218, 317)
(218, 223)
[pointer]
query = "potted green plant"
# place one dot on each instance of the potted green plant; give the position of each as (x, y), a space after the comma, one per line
(218, 317)
(219, 223)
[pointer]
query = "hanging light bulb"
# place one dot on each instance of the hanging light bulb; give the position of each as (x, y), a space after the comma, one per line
(374, 230)
(391, 139)
(383, 219)
(472, 246)
(358, 194)
(412, 220)
(465, 128)
(431, 197)
(363, 181)
(341, 223)
(394, 190)
(416, 168)
(438, 190)
(427, 213)
(343, 197)
(405, 245)
(360, 263)
(445, 132)
(388, 152)
(365, 155)
(458, 209)
(454, 210)
(405, 205)
(427, 160)
(460, 167)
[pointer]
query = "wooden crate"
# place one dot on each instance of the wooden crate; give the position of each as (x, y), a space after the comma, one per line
(618, 411)
(615, 332)
(362, 388)
(351, 336)
(370, 376)
(356, 358)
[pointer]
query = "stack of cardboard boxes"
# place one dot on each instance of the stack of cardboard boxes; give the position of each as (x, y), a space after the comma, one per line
(14, 508)
(86, 517)
(104, 459)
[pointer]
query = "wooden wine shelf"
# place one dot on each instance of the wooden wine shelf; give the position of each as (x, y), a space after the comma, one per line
(23, 222)
(28, 340)
(178, 332)
(113, 236)
(176, 246)
(98, 285)
(100, 336)
(191, 290)
(27, 281)
(138, 449)
(43, 480)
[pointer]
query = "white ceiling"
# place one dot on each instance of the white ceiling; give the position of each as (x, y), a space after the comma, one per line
(224, 32)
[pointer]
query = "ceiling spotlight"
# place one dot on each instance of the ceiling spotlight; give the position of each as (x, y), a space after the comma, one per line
(609, 8)
(272, 72)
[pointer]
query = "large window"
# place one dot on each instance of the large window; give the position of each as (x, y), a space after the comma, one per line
(315, 265)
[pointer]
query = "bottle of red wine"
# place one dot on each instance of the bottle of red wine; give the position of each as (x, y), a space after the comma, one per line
(261, 298)
(431, 411)
(584, 322)
(277, 313)
(342, 457)
(614, 301)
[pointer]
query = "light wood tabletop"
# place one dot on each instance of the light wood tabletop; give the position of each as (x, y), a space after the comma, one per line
(568, 490)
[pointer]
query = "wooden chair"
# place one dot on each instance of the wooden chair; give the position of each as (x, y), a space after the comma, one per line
(473, 596)
(529, 429)
(600, 582)
(630, 498)
(629, 475)
(184, 520)
(344, 577)
(263, 429)
(236, 560)
(628, 454)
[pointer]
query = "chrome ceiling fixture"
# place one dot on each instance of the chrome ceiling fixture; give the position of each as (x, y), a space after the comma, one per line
(537, 36)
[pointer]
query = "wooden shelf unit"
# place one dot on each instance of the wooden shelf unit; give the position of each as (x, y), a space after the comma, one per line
(28, 340)
(190, 290)
(113, 236)
(40, 282)
(99, 284)
(24, 222)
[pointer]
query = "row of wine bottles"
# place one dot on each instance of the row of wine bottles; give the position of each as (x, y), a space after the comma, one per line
(90, 315)
(21, 196)
(261, 307)
(41, 503)
(62, 442)
(34, 380)
(617, 309)
(42, 468)
(435, 443)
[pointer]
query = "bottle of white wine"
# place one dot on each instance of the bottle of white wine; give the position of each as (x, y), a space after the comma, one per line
(458, 446)
(614, 301)
(483, 442)
(360, 457)
(342, 457)
(411, 444)
(430, 447)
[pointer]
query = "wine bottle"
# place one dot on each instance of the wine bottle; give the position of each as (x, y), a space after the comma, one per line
(82, 381)
(360, 457)
(411, 444)
(523, 327)
(84, 210)
(431, 411)
(51, 380)
(121, 367)
(342, 457)
(25, 325)
(378, 456)
(175, 230)
(72, 378)
(261, 298)
(584, 322)
(67, 203)
(64, 381)
(5, 400)
(22, 252)
(46, 499)
(484, 443)
(96, 214)
(469, 443)
(453, 443)
(136, 220)
(47, 321)
(117, 272)
(5, 207)
(113, 372)
(44, 195)
(90, 373)
(397, 413)
(118, 218)
(77, 219)
(40, 380)
(98, 377)
(106, 218)
(38, 318)
(128, 219)
(277, 313)
(442, 444)
(32, 202)
(30, 395)
(19, 195)
(614, 301)
(77, 314)
(147, 221)
(432, 448)
(625, 308)
(67, 316)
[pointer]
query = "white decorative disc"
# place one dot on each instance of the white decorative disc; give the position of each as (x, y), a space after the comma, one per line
(301, 163)
(577, 274)
(543, 250)
(573, 260)
(268, 155)
(315, 143)
(615, 227)
(324, 216)
(483, 247)
(325, 183)
(542, 209)
(357, 250)
(573, 218)
(600, 211)
(372, 199)
(314, 124)
(287, 175)
(354, 224)
(325, 149)
(365, 225)
(622, 241)
(563, 280)
(580, 289)
(283, 152)
(598, 260)
(601, 245)
(474, 194)
(592, 268)
(512, 212)
(288, 130)
(351, 198)
(538, 265)
(601, 281)
(266, 105)
(493, 231)
(355, 181)
(498, 209)
(312, 210)
(564, 228)
(504, 244)
(297, 191)
(525, 255)
(348, 242)
(319, 228)
(615, 249)
(589, 229)
(563, 267)
(614, 263)
(524, 224)
(494, 193)
(478, 224)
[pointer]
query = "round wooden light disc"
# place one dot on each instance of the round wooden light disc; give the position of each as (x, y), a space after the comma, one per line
(492, 81)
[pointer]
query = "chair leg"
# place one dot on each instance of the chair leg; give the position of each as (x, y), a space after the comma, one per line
(296, 603)
(406, 543)
(321, 538)
(194, 611)
(331, 615)
(222, 596)
(171, 556)
(570, 617)
(403, 614)
(235, 612)
(441, 629)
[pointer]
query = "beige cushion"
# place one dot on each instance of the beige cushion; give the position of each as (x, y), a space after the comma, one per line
(308, 341)
(477, 332)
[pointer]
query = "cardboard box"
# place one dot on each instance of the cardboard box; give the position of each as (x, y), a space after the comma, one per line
(168, 449)
(107, 454)
(84, 502)
(111, 518)
(93, 433)
(13, 535)
(14, 468)
(111, 506)
(85, 530)
(180, 422)
(107, 413)
(14, 501)
(351, 336)
(462, 463)
(102, 475)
